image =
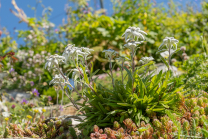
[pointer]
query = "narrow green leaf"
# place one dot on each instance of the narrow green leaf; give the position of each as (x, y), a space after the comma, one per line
(125, 104)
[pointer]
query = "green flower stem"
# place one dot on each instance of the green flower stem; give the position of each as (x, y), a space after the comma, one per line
(110, 66)
(68, 82)
(62, 98)
(132, 70)
(169, 59)
(57, 98)
(72, 101)
(87, 69)
(122, 68)
(88, 84)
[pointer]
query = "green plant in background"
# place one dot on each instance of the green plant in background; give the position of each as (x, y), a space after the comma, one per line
(195, 75)
(87, 28)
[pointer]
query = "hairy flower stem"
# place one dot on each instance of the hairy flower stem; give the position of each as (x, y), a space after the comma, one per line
(169, 60)
(110, 66)
(62, 98)
(57, 98)
(72, 101)
(88, 84)
(133, 71)
(87, 69)
(69, 82)
(122, 68)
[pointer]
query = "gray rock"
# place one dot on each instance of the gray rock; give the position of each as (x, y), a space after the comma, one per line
(16, 95)
(163, 67)
(3, 74)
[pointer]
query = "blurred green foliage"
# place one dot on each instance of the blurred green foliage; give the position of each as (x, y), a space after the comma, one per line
(85, 27)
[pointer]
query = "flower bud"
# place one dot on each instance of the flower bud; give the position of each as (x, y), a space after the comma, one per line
(45, 127)
(165, 136)
(58, 123)
(132, 133)
(193, 102)
(121, 130)
(183, 48)
(186, 57)
(100, 131)
(146, 134)
(157, 123)
(184, 54)
(195, 114)
(118, 135)
(133, 127)
(128, 122)
(200, 102)
(173, 60)
(174, 128)
(198, 129)
(50, 124)
(165, 120)
(107, 131)
(186, 125)
(196, 120)
(201, 122)
(201, 111)
(95, 128)
(142, 124)
(116, 125)
(61, 129)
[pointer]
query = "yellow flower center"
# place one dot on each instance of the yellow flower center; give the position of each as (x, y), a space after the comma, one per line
(43, 110)
(36, 111)
(29, 117)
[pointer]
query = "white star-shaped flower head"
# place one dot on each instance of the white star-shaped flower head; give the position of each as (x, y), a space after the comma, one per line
(109, 53)
(86, 50)
(145, 60)
(6, 114)
(133, 32)
(76, 73)
(57, 79)
(54, 60)
(169, 42)
(166, 53)
(73, 53)
(132, 46)
(122, 59)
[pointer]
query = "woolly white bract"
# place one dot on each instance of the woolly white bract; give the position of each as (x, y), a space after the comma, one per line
(145, 60)
(132, 32)
(169, 42)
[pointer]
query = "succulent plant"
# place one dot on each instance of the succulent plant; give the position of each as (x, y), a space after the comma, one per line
(52, 128)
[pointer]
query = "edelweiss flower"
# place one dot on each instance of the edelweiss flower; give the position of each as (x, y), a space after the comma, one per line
(52, 60)
(145, 60)
(169, 42)
(166, 53)
(86, 50)
(132, 46)
(72, 52)
(109, 53)
(76, 74)
(57, 79)
(133, 32)
(122, 59)
(6, 114)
